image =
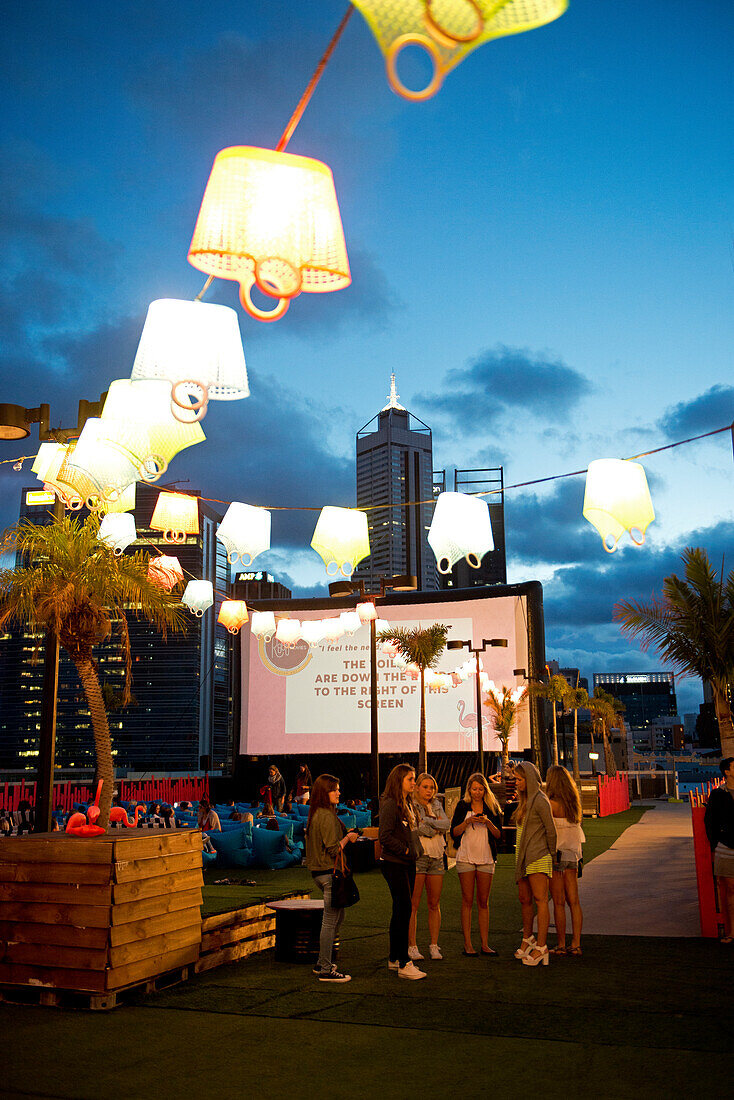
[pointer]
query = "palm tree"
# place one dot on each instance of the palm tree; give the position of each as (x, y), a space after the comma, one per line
(607, 711)
(421, 646)
(576, 698)
(503, 704)
(72, 584)
(692, 626)
(554, 691)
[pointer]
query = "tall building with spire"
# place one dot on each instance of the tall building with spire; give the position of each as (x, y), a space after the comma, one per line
(395, 481)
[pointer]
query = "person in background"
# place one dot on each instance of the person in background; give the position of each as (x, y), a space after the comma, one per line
(276, 783)
(167, 818)
(24, 817)
(430, 867)
(719, 823)
(536, 845)
(325, 836)
(208, 819)
(566, 808)
(302, 787)
(476, 827)
(398, 836)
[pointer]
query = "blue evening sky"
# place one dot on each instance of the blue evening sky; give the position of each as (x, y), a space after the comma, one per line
(542, 253)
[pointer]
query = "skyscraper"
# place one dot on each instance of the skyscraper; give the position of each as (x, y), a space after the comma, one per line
(646, 695)
(395, 473)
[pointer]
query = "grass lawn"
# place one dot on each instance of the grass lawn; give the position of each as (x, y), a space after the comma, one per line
(633, 1017)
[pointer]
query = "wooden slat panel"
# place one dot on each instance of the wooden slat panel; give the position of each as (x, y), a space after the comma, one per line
(158, 886)
(56, 848)
(213, 941)
(80, 916)
(44, 954)
(156, 946)
(233, 953)
(143, 844)
(68, 936)
(87, 873)
(153, 907)
(249, 912)
(146, 968)
(54, 977)
(56, 892)
(135, 869)
(152, 926)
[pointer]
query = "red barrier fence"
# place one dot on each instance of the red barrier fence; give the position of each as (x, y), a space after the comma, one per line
(614, 795)
(712, 919)
(66, 793)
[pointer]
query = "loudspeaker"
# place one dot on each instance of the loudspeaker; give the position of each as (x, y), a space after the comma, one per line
(205, 763)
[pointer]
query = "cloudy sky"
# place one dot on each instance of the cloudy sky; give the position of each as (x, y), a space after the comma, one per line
(542, 253)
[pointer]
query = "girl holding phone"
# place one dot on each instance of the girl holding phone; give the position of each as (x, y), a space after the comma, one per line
(476, 827)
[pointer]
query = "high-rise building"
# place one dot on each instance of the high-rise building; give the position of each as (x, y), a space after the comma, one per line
(493, 567)
(395, 478)
(181, 687)
(646, 695)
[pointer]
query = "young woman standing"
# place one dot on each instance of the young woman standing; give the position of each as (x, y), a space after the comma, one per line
(429, 869)
(325, 836)
(536, 845)
(719, 823)
(398, 838)
(476, 827)
(566, 808)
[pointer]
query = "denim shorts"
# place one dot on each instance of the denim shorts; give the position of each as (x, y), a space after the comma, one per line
(483, 868)
(562, 865)
(427, 865)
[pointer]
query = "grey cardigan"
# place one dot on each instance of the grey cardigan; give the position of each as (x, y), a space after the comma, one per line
(538, 831)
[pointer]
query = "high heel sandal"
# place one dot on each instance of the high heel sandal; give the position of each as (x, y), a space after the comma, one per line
(523, 951)
(540, 960)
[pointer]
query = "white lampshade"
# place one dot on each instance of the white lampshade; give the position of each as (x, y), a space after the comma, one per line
(147, 403)
(99, 469)
(351, 621)
(617, 499)
(47, 465)
(341, 539)
(367, 612)
(288, 631)
(117, 529)
(176, 515)
(263, 624)
(312, 631)
(245, 532)
(390, 649)
(198, 349)
(198, 596)
(460, 528)
(381, 625)
(333, 630)
(233, 614)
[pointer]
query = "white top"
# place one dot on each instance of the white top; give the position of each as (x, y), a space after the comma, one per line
(474, 847)
(570, 837)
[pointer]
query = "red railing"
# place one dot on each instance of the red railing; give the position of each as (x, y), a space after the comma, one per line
(66, 792)
(712, 919)
(614, 795)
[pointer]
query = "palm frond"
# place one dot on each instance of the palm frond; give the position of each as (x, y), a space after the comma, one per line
(421, 646)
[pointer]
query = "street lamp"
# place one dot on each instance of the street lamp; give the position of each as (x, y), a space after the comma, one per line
(593, 757)
(400, 583)
(487, 643)
(15, 423)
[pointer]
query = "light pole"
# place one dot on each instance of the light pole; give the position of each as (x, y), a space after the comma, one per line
(15, 423)
(487, 643)
(593, 757)
(401, 583)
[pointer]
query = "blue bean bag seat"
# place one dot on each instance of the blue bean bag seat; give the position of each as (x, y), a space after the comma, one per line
(242, 857)
(271, 850)
(225, 843)
(348, 818)
(363, 818)
(207, 858)
(301, 810)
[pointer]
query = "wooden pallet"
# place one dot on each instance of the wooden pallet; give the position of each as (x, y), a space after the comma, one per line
(91, 1002)
(228, 937)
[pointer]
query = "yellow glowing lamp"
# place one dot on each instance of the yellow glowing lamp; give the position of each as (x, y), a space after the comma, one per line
(448, 30)
(117, 530)
(198, 596)
(460, 528)
(96, 468)
(617, 499)
(341, 539)
(125, 502)
(165, 571)
(271, 220)
(176, 515)
(198, 349)
(47, 465)
(147, 404)
(233, 614)
(245, 532)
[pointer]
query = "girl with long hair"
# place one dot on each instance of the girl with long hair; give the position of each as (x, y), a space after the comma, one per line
(398, 836)
(566, 808)
(430, 867)
(325, 836)
(476, 827)
(536, 845)
(302, 786)
(208, 818)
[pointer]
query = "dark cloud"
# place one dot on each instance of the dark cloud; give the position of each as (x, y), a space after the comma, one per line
(708, 411)
(505, 381)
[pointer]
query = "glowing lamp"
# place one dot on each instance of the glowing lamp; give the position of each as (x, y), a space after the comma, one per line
(288, 631)
(350, 621)
(456, 679)
(176, 515)
(381, 625)
(617, 499)
(198, 596)
(367, 612)
(197, 348)
(341, 539)
(125, 502)
(98, 469)
(245, 532)
(312, 631)
(460, 528)
(333, 630)
(233, 614)
(166, 572)
(448, 30)
(47, 466)
(146, 402)
(270, 220)
(117, 530)
(389, 649)
(263, 624)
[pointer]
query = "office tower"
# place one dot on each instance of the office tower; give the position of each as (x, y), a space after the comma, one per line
(182, 687)
(646, 695)
(493, 568)
(395, 472)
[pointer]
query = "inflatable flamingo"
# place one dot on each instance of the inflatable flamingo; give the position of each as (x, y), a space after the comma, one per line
(81, 825)
(119, 814)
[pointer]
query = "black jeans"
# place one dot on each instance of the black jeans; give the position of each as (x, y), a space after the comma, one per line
(400, 878)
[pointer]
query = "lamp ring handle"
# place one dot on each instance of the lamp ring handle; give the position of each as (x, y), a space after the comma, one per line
(637, 541)
(174, 536)
(613, 547)
(449, 38)
(332, 568)
(152, 467)
(190, 406)
(394, 80)
(261, 314)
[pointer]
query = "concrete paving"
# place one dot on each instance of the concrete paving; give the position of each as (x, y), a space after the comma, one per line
(645, 884)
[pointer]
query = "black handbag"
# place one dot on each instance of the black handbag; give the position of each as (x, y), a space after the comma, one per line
(344, 890)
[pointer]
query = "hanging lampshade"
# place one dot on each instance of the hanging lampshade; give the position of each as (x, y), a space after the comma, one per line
(117, 529)
(47, 466)
(98, 469)
(198, 596)
(288, 631)
(617, 499)
(333, 630)
(263, 624)
(350, 621)
(390, 649)
(146, 402)
(456, 679)
(400, 661)
(177, 515)
(381, 625)
(233, 614)
(460, 528)
(367, 612)
(312, 631)
(125, 502)
(448, 30)
(341, 539)
(272, 220)
(245, 532)
(197, 348)
(166, 572)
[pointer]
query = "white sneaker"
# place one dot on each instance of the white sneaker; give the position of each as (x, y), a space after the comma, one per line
(392, 965)
(411, 971)
(414, 953)
(434, 951)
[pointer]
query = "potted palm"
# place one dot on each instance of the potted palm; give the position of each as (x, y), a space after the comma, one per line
(420, 646)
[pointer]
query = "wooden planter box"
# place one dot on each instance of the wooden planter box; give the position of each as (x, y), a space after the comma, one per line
(97, 915)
